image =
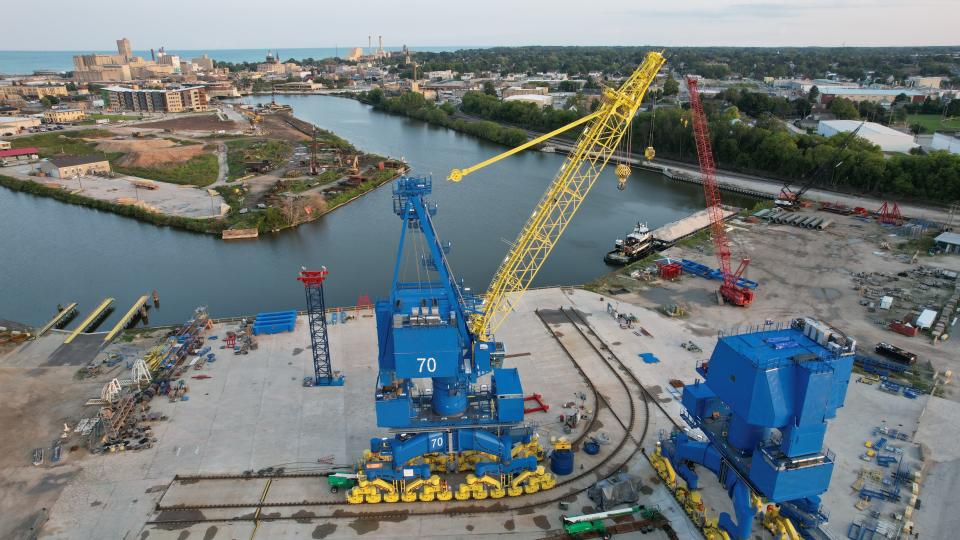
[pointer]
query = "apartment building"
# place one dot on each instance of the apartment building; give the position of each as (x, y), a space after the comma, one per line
(64, 116)
(39, 91)
(171, 100)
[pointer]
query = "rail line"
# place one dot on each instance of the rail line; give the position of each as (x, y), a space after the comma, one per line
(339, 509)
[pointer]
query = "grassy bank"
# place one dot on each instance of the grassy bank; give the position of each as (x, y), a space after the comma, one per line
(72, 143)
(201, 171)
(163, 220)
(240, 151)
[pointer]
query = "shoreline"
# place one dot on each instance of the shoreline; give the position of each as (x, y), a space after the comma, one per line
(207, 225)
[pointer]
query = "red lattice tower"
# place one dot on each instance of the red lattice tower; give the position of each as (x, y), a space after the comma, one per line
(731, 292)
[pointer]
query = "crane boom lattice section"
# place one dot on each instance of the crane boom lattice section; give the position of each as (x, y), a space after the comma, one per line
(594, 147)
(708, 171)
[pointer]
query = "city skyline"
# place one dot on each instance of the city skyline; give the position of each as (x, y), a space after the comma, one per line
(498, 23)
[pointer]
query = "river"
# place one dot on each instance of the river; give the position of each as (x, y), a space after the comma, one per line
(54, 253)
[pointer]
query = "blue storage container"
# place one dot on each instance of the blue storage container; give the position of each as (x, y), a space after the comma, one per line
(561, 462)
(591, 448)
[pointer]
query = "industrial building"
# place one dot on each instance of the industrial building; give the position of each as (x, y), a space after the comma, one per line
(874, 95)
(948, 242)
(889, 140)
(538, 100)
(521, 91)
(193, 98)
(70, 166)
(949, 142)
(13, 125)
(14, 155)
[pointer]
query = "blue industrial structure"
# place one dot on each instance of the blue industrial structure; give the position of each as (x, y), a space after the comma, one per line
(423, 335)
(763, 406)
(317, 318)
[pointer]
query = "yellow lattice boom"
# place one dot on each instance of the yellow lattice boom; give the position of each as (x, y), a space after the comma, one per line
(598, 142)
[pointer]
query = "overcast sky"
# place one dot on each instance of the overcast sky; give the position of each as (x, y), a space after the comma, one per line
(248, 24)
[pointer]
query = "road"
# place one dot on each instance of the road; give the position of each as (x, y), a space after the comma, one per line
(759, 183)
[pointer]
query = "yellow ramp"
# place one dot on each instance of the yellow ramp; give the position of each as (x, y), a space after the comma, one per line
(89, 320)
(57, 318)
(122, 323)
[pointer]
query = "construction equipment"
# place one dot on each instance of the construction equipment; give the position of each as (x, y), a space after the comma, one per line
(433, 329)
(317, 316)
(790, 200)
(769, 448)
(730, 290)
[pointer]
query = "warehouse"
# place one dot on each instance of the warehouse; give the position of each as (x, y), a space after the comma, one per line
(13, 125)
(71, 166)
(889, 140)
(948, 242)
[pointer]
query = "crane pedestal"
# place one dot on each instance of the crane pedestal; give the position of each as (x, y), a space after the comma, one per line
(442, 390)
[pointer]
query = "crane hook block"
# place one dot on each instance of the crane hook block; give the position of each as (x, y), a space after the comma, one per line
(456, 175)
(649, 153)
(623, 172)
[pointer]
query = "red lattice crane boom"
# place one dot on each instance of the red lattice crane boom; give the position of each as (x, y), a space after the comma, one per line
(731, 292)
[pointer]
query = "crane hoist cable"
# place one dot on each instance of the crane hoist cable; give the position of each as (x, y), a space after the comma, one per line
(595, 146)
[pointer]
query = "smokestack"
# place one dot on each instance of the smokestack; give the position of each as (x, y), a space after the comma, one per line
(153, 55)
(381, 45)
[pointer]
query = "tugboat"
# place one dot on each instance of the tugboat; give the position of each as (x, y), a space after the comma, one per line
(636, 246)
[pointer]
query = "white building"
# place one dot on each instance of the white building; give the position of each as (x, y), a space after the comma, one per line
(889, 140)
(946, 141)
(539, 101)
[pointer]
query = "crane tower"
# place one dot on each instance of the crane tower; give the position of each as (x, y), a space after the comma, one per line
(730, 290)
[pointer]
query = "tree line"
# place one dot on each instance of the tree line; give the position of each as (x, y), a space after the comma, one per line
(416, 106)
(762, 147)
(868, 64)
(768, 149)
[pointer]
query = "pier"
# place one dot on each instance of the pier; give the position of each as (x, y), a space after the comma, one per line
(695, 179)
(95, 316)
(675, 231)
(60, 319)
(127, 317)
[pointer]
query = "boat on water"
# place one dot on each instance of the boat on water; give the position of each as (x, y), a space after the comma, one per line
(634, 247)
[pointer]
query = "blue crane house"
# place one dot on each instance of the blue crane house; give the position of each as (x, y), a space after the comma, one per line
(763, 405)
(432, 388)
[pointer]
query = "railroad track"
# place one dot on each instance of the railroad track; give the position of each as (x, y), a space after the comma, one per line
(629, 408)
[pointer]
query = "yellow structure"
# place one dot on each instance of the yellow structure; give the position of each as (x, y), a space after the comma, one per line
(64, 116)
(89, 320)
(594, 148)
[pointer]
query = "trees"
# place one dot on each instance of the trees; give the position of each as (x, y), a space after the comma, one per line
(671, 87)
(489, 89)
(953, 108)
(814, 93)
(843, 109)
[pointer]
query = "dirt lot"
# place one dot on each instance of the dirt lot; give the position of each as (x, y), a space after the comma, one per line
(38, 399)
(274, 126)
(150, 152)
(809, 272)
(206, 122)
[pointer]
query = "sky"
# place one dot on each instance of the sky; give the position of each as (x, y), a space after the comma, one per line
(249, 24)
